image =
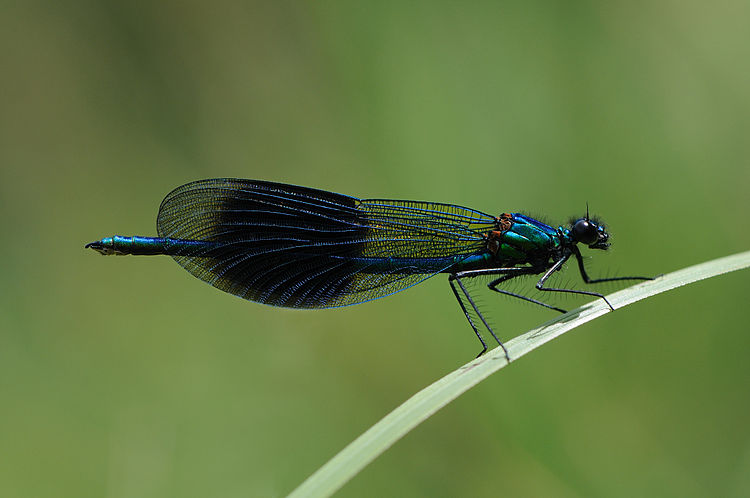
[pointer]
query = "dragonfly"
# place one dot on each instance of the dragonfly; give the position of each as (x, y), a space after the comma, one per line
(299, 247)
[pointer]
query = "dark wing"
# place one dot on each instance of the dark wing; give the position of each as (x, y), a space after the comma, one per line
(299, 247)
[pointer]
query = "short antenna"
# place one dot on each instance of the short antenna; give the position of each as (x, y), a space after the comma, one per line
(587, 210)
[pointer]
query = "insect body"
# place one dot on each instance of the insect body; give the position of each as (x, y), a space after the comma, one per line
(298, 247)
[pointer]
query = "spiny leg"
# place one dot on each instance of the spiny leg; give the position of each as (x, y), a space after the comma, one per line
(559, 264)
(507, 274)
(455, 278)
(493, 286)
(451, 280)
(588, 280)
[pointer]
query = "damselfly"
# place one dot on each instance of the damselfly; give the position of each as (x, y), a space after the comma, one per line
(299, 247)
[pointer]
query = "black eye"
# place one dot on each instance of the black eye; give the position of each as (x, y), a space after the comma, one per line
(585, 232)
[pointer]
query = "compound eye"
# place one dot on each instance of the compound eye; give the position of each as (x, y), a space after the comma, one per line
(584, 231)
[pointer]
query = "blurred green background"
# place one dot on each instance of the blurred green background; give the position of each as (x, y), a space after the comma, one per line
(127, 377)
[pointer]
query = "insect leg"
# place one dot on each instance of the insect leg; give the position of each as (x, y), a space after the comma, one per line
(559, 264)
(507, 274)
(493, 286)
(455, 279)
(452, 279)
(588, 280)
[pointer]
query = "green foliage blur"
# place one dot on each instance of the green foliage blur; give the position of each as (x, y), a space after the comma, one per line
(127, 377)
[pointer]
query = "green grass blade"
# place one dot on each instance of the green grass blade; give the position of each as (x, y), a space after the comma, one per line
(363, 450)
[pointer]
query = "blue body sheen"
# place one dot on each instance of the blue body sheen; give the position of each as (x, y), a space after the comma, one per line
(151, 246)
(526, 239)
(535, 231)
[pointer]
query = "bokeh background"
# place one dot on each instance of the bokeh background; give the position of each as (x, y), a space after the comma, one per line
(127, 377)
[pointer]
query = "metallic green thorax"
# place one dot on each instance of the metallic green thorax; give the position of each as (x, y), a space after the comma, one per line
(521, 239)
